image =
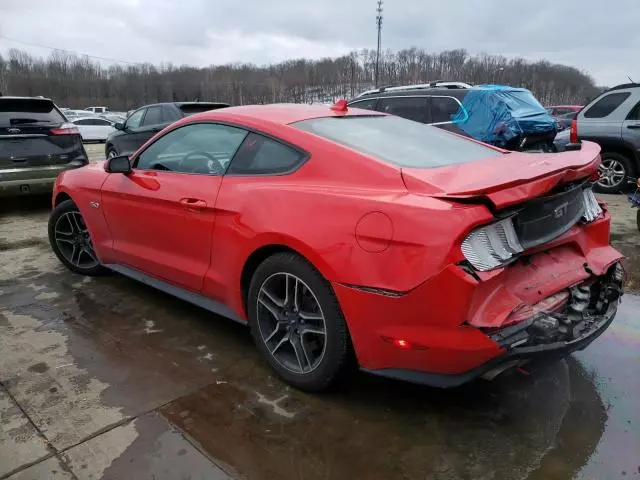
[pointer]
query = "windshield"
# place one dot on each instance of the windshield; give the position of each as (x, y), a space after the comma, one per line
(398, 141)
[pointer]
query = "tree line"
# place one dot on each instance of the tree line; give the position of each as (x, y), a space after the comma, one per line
(76, 81)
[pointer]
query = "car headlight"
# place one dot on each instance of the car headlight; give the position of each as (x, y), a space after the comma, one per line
(493, 245)
(592, 208)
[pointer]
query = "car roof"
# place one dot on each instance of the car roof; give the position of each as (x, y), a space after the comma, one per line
(42, 99)
(179, 104)
(434, 91)
(283, 113)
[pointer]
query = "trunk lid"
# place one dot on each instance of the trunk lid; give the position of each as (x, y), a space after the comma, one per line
(505, 180)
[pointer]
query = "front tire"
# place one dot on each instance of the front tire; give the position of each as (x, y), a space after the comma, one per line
(615, 170)
(71, 242)
(111, 152)
(296, 322)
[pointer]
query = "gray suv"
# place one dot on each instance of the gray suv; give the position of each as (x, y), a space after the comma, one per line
(613, 121)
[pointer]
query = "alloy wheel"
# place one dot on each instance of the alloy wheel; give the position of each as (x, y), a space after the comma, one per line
(291, 323)
(74, 242)
(612, 173)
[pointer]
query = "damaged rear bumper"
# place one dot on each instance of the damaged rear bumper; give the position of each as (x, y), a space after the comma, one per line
(545, 337)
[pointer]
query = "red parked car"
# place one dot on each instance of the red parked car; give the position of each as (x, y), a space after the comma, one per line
(343, 234)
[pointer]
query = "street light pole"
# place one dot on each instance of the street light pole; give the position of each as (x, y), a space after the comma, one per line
(379, 23)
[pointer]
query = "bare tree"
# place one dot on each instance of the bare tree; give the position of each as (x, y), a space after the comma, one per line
(78, 81)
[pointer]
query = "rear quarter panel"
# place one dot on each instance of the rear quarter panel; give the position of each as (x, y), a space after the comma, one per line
(316, 210)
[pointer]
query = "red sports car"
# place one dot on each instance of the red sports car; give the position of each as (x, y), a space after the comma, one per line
(342, 234)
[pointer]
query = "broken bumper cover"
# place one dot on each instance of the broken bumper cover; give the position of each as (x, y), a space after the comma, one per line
(544, 337)
(515, 357)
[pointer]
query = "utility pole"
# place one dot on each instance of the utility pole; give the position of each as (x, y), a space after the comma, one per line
(379, 23)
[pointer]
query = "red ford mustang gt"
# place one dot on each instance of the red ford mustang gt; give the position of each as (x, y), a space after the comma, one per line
(343, 235)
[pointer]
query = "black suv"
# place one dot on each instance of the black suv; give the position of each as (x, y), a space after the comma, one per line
(146, 121)
(504, 116)
(36, 144)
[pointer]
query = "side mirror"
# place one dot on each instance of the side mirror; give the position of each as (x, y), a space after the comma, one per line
(119, 126)
(119, 164)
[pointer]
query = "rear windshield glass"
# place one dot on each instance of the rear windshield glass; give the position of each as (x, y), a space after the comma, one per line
(398, 141)
(21, 111)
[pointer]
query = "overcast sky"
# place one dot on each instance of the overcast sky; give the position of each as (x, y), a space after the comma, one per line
(601, 37)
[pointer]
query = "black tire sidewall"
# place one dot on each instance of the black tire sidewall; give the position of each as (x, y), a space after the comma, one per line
(629, 172)
(337, 339)
(62, 208)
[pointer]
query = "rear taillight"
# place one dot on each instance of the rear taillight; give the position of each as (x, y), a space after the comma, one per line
(492, 246)
(592, 209)
(65, 129)
(573, 134)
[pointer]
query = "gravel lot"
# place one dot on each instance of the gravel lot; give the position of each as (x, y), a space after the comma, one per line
(107, 378)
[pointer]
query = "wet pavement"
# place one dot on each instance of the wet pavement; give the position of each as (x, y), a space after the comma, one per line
(107, 378)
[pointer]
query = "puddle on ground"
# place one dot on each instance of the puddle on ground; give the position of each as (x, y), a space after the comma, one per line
(147, 350)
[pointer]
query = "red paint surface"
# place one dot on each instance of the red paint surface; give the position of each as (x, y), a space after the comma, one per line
(360, 222)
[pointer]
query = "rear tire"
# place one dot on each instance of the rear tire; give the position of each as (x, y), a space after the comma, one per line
(638, 219)
(71, 242)
(615, 171)
(286, 326)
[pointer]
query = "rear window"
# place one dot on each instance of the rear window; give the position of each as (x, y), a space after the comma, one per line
(398, 141)
(22, 111)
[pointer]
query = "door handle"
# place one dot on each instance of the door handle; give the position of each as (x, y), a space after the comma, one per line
(634, 126)
(193, 203)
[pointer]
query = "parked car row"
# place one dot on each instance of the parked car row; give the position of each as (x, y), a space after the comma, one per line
(424, 248)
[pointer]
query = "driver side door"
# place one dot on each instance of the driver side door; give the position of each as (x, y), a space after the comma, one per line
(161, 215)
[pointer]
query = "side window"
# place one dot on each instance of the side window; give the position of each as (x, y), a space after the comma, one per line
(83, 122)
(366, 104)
(136, 117)
(443, 109)
(169, 114)
(153, 116)
(203, 148)
(413, 108)
(606, 105)
(260, 155)
(634, 114)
